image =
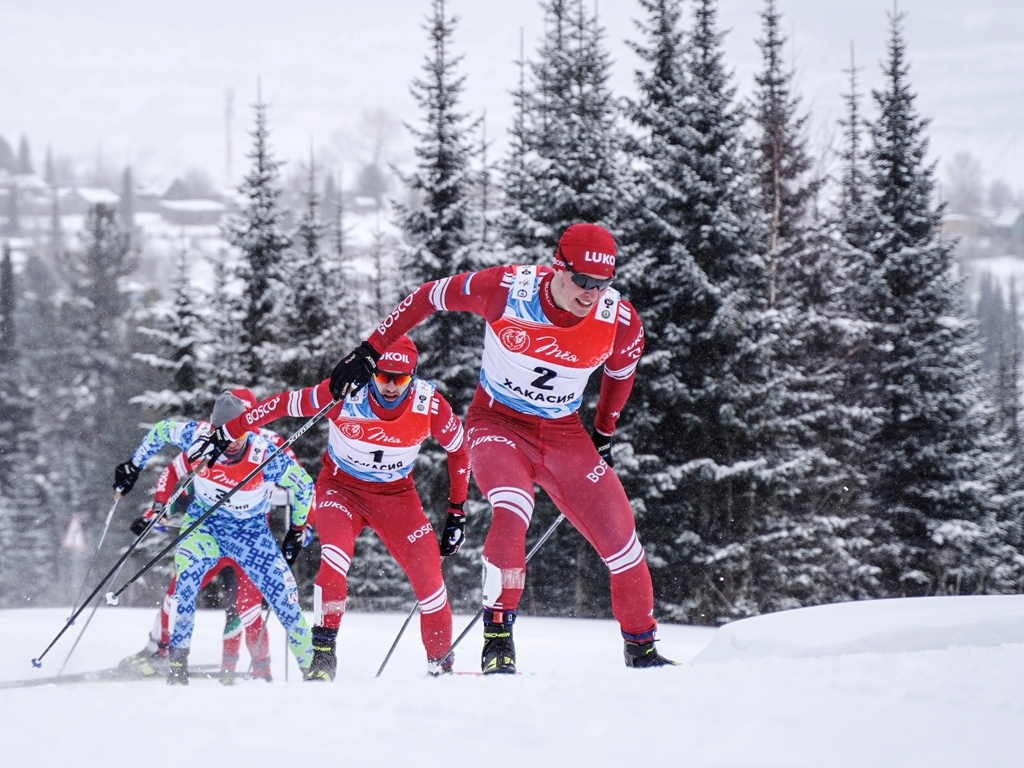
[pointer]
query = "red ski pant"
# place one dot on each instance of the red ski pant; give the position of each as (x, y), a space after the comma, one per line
(243, 615)
(344, 506)
(509, 452)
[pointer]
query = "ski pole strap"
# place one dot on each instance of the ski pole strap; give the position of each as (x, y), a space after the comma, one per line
(221, 501)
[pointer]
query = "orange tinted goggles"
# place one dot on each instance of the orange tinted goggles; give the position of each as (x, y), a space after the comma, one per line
(398, 379)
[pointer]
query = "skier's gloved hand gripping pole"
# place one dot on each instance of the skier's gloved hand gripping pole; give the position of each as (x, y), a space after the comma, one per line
(122, 488)
(113, 596)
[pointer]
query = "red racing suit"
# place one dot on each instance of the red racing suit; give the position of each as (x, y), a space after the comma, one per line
(523, 427)
(366, 481)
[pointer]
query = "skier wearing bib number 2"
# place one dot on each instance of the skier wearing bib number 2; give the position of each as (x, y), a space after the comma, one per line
(548, 329)
(366, 480)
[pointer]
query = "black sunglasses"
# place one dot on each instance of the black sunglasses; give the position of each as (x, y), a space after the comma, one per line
(585, 281)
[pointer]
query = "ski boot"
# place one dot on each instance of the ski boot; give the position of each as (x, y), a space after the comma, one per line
(499, 656)
(639, 652)
(438, 667)
(145, 663)
(261, 670)
(325, 663)
(177, 666)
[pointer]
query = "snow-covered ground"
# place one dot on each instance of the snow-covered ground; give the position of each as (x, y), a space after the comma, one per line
(924, 682)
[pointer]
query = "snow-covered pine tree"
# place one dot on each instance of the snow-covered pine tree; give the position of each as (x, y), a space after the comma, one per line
(89, 421)
(25, 548)
(258, 232)
(224, 361)
(311, 311)
(695, 419)
(567, 161)
(805, 548)
(175, 329)
(932, 464)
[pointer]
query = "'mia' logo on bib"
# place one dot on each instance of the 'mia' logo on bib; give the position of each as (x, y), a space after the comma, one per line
(352, 431)
(397, 357)
(599, 258)
(515, 339)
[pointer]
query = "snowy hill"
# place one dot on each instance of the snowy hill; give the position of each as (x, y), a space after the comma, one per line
(924, 682)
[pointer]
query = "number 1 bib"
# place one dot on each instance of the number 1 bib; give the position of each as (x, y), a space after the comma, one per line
(536, 367)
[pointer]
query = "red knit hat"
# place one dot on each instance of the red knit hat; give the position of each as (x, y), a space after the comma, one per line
(589, 248)
(400, 357)
(245, 396)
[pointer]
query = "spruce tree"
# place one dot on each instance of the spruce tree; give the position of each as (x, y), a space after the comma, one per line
(694, 470)
(176, 331)
(931, 464)
(259, 233)
(567, 161)
(25, 157)
(26, 547)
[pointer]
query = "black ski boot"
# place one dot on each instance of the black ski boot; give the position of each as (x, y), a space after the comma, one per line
(177, 666)
(499, 657)
(438, 667)
(644, 654)
(145, 663)
(325, 663)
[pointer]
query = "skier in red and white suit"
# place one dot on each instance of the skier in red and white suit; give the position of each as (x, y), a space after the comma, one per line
(548, 329)
(366, 480)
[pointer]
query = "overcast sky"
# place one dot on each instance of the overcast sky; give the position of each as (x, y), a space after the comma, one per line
(146, 81)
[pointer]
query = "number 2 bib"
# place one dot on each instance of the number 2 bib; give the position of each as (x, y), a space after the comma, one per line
(536, 367)
(376, 450)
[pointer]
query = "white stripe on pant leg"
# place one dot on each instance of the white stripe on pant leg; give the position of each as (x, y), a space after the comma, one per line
(513, 500)
(172, 617)
(249, 615)
(335, 558)
(435, 602)
(627, 557)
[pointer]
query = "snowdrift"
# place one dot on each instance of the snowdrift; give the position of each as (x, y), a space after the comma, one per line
(872, 626)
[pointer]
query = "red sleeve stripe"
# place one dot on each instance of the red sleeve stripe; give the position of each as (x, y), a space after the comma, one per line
(295, 403)
(621, 373)
(436, 296)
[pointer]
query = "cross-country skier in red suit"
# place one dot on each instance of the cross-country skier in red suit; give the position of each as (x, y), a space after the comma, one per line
(366, 480)
(548, 329)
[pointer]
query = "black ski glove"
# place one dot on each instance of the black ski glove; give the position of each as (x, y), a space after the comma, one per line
(209, 447)
(292, 545)
(139, 525)
(354, 372)
(603, 443)
(125, 475)
(454, 530)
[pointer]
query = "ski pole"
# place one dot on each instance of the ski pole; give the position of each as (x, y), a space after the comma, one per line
(400, 633)
(113, 596)
(112, 573)
(533, 551)
(95, 557)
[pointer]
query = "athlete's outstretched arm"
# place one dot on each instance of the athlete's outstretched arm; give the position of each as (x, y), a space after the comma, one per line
(484, 293)
(619, 369)
(299, 402)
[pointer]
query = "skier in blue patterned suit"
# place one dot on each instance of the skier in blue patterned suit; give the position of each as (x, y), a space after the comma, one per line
(237, 530)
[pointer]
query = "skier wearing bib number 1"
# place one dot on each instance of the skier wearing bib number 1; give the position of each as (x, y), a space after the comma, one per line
(548, 329)
(366, 480)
